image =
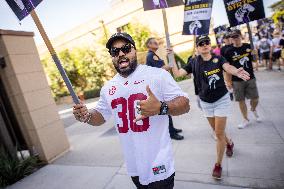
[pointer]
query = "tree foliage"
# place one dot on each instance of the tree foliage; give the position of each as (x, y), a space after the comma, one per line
(83, 67)
(87, 68)
(139, 33)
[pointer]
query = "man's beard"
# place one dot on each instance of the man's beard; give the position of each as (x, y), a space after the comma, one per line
(126, 71)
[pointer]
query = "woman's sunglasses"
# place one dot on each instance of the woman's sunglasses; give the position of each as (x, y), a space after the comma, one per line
(201, 44)
(114, 52)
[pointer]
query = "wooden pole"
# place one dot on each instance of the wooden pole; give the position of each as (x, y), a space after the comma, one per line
(54, 57)
(250, 35)
(170, 56)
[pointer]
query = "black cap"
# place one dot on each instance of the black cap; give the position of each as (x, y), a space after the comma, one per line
(235, 32)
(124, 36)
(227, 34)
(202, 38)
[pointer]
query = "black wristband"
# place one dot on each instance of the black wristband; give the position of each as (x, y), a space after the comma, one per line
(164, 108)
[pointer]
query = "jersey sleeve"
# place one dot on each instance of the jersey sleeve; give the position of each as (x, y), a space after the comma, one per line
(102, 106)
(169, 87)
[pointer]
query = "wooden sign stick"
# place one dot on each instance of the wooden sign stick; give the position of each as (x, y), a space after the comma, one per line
(54, 56)
(170, 56)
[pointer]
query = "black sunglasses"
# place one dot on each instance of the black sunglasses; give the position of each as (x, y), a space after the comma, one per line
(114, 52)
(201, 44)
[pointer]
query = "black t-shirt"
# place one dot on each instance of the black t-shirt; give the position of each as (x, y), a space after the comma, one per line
(241, 57)
(281, 43)
(208, 77)
(150, 60)
(225, 49)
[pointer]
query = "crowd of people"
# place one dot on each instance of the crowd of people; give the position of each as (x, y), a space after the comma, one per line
(268, 42)
(143, 99)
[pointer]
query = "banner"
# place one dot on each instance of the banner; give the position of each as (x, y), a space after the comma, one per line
(160, 4)
(220, 32)
(197, 14)
(22, 8)
(243, 11)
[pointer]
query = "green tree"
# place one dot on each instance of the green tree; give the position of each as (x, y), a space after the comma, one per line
(85, 70)
(139, 33)
(88, 69)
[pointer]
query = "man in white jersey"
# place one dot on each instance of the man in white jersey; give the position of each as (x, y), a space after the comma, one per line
(140, 98)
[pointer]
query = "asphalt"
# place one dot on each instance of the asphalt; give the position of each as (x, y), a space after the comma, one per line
(95, 159)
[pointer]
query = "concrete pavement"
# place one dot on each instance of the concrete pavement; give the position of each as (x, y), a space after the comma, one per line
(95, 158)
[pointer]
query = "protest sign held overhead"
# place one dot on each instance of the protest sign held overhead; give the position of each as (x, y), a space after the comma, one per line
(22, 8)
(160, 4)
(197, 14)
(244, 11)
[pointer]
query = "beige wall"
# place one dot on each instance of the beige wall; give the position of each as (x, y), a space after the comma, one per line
(30, 95)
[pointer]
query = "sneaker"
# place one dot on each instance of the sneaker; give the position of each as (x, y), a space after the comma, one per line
(230, 149)
(257, 118)
(217, 172)
(244, 124)
(214, 135)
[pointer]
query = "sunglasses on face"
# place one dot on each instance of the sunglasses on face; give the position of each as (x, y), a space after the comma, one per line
(114, 51)
(201, 44)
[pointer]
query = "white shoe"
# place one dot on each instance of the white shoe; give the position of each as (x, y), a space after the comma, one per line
(214, 135)
(244, 124)
(256, 116)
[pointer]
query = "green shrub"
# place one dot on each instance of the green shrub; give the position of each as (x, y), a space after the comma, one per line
(13, 169)
(92, 93)
(184, 55)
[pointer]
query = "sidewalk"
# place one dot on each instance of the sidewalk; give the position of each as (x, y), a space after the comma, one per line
(95, 158)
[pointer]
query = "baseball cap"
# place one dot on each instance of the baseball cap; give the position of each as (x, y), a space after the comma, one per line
(235, 32)
(202, 38)
(124, 36)
(227, 35)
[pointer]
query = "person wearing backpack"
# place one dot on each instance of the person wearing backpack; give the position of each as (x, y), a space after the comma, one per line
(207, 69)
(264, 46)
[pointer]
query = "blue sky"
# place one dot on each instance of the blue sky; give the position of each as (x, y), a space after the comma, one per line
(59, 16)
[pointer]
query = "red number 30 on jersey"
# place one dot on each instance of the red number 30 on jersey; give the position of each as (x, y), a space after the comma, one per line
(127, 106)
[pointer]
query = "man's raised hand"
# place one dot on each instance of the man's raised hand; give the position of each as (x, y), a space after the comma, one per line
(149, 107)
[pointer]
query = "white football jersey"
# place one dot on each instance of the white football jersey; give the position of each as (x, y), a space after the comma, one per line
(146, 144)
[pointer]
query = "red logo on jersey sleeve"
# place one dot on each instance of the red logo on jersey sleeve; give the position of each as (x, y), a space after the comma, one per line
(137, 82)
(112, 90)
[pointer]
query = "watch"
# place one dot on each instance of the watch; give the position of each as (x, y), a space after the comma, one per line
(164, 109)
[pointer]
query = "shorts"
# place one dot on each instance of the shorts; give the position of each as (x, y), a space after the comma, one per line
(220, 108)
(265, 55)
(245, 89)
(276, 55)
